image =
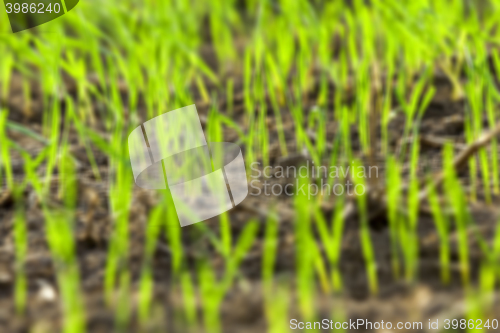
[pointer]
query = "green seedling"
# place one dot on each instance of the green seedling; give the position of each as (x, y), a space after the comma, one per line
(456, 199)
(443, 229)
(146, 283)
(393, 203)
(213, 291)
(495, 172)
(5, 161)
(189, 298)
(305, 251)
(410, 248)
(366, 243)
(21, 249)
(332, 239)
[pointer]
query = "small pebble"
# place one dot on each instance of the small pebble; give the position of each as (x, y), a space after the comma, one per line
(46, 292)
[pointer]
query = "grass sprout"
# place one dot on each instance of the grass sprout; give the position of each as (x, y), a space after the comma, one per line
(332, 239)
(393, 203)
(366, 243)
(456, 200)
(443, 229)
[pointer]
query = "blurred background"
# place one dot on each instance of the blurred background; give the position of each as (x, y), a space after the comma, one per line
(408, 89)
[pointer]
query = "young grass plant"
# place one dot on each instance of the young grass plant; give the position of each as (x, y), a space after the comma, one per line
(443, 230)
(366, 243)
(476, 93)
(215, 134)
(21, 249)
(213, 291)
(146, 283)
(123, 307)
(480, 300)
(120, 199)
(276, 295)
(457, 201)
(410, 238)
(393, 204)
(417, 104)
(305, 251)
(495, 172)
(270, 247)
(59, 233)
(5, 160)
(469, 136)
(189, 298)
(332, 239)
